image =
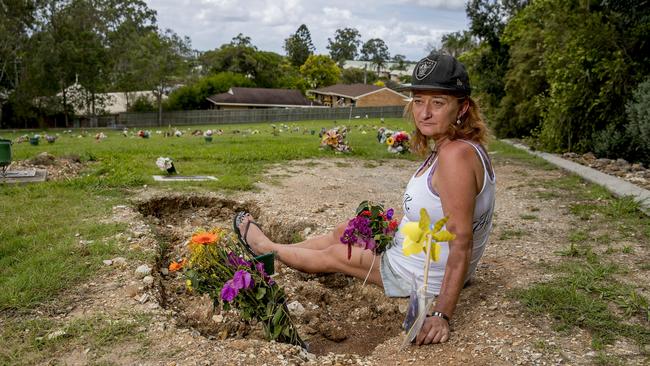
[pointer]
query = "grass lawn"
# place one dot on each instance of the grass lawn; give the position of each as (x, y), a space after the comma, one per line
(43, 224)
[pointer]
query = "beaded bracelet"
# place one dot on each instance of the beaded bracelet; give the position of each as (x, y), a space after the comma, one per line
(440, 315)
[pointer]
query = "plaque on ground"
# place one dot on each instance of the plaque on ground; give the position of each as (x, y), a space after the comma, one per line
(23, 176)
(182, 178)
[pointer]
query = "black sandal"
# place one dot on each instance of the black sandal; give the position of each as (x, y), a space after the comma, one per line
(242, 237)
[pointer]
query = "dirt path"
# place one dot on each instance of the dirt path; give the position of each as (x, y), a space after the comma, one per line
(353, 325)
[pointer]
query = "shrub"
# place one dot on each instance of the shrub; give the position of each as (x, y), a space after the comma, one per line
(638, 127)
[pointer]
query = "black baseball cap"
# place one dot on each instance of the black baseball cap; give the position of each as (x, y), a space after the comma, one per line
(439, 72)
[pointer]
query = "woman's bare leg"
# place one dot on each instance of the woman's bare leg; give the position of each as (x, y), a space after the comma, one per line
(323, 241)
(323, 256)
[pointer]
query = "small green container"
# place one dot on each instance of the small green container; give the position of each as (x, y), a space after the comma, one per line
(208, 138)
(5, 152)
(33, 141)
(268, 260)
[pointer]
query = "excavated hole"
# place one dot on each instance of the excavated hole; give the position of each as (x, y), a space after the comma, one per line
(339, 316)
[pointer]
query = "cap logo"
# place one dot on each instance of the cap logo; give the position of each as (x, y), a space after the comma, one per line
(424, 68)
(458, 82)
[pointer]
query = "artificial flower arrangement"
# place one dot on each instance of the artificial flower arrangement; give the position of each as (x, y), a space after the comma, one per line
(383, 134)
(218, 266)
(166, 165)
(422, 236)
(398, 142)
(144, 134)
(372, 228)
(207, 135)
(335, 139)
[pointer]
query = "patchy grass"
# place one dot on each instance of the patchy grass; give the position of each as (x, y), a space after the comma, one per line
(590, 290)
(41, 339)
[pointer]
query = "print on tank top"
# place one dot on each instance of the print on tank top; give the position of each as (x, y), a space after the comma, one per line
(407, 199)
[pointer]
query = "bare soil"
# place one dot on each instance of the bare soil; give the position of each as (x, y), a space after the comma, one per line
(344, 322)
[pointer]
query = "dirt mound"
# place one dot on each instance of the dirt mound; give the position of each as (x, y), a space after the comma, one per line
(61, 168)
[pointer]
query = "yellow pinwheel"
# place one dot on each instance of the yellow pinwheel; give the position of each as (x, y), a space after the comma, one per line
(418, 235)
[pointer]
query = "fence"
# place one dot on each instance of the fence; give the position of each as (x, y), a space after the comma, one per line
(270, 115)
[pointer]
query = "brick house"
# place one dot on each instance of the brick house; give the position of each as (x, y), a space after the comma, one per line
(358, 95)
(252, 98)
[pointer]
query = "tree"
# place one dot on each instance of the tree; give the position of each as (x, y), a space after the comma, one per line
(16, 22)
(299, 46)
(264, 68)
(165, 54)
(400, 61)
(241, 40)
(345, 45)
(194, 96)
(320, 71)
(376, 51)
(355, 75)
(456, 43)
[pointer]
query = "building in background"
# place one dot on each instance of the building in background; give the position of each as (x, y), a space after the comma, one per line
(251, 98)
(357, 95)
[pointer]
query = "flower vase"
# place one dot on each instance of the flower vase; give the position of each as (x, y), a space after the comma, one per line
(33, 141)
(171, 170)
(208, 138)
(268, 260)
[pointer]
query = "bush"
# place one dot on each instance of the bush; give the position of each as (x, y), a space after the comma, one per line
(194, 96)
(142, 104)
(638, 127)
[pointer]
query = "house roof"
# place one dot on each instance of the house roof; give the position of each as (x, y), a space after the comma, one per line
(261, 97)
(352, 91)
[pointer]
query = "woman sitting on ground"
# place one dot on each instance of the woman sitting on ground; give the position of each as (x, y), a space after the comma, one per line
(455, 180)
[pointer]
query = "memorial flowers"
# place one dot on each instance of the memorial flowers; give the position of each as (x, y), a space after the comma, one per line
(398, 142)
(166, 165)
(372, 228)
(218, 266)
(335, 139)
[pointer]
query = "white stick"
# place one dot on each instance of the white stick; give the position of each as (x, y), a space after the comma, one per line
(426, 263)
(370, 270)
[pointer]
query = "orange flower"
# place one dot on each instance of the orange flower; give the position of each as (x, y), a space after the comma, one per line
(205, 238)
(175, 266)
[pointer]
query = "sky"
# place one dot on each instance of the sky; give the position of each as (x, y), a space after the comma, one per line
(406, 26)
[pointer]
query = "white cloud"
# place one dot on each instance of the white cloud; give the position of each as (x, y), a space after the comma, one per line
(437, 4)
(406, 25)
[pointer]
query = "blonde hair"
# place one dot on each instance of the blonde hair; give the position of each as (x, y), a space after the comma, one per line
(472, 127)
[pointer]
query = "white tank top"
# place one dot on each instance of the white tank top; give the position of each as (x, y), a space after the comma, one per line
(420, 194)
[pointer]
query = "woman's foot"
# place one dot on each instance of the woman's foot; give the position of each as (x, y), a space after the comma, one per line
(253, 235)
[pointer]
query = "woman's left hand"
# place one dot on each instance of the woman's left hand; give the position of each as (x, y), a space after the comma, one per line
(434, 330)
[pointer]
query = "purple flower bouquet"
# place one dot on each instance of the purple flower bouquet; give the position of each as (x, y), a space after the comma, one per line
(372, 228)
(217, 266)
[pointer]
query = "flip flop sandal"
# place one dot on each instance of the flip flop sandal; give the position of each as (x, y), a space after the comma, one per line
(242, 237)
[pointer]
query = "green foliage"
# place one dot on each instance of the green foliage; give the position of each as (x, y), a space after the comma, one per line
(320, 71)
(142, 104)
(355, 75)
(571, 66)
(376, 51)
(638, 127)
(345, 45)
(194, 96)
(456, 43)
(299, 46)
